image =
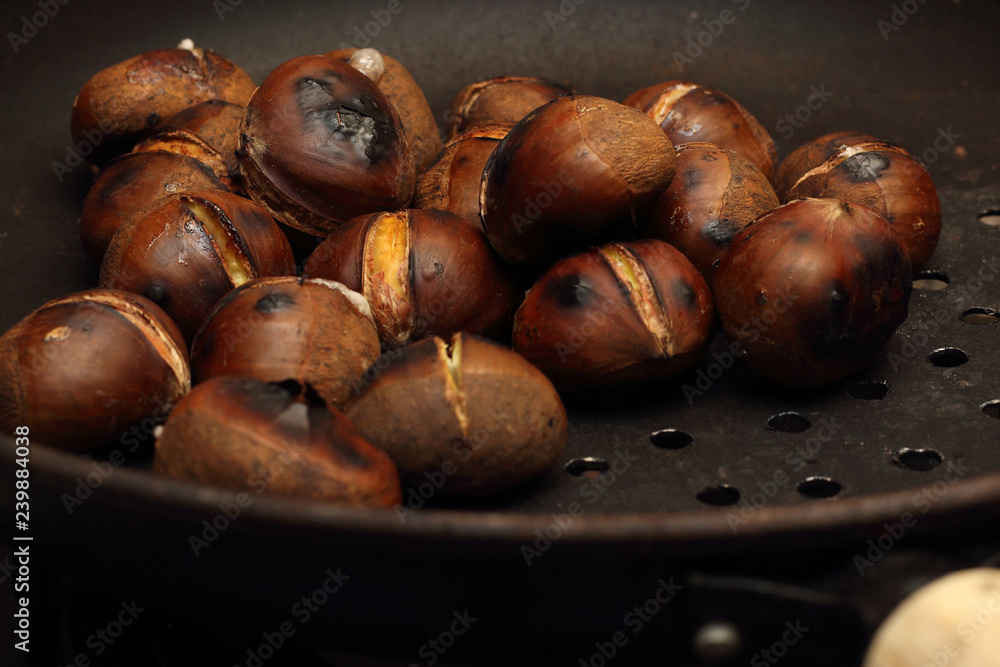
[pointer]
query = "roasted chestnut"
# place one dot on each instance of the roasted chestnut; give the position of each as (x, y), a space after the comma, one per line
(469, 411)
(128, 185)
(127, 101)
(865, 170)
(395, 81)
(691, 113)
(242, 434)
(217, 123)
(187, 143)
(192, 249)
(501, 100)
(572, 173)
(813, 290)
(82, 370)
(618, 315)
(321, 144)
(715, 193)
(452, 181)
(314, 331)
(424, 272)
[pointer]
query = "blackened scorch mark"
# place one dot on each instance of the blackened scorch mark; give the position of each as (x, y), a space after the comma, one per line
(356, 119)
(719, 232)
(865, 167)
(685, 293)
(571, 291)
(274, 302)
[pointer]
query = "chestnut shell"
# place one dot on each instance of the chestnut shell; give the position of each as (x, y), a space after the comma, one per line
(813, 290)
(320, 144)
(500, 100)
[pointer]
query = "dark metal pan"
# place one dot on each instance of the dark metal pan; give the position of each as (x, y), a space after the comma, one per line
(756, 518)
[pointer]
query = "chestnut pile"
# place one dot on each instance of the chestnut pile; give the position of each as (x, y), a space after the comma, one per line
(365, 306)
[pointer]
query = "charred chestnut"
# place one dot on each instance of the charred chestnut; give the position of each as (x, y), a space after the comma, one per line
(813, 290)
(691, 113)
(127, 101)
(424, 273)
(618, 315)
(572, 173)
(321, 144)
(452, 181)
(468, 410)
(242, 434)
(82, 370)
(131, 183)
(395, 81)
(715, 193)
(874, 173)
(192, 249)
(502, 100)
(316, 332)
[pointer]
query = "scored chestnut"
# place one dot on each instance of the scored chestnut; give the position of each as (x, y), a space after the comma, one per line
(424, 273)
(864, 170)
(689, 113)
(243, 434)
(572, 173)
(187, 143)
(813, 290)
(468, 408)
(215, 122)
(618, 315)
(501, 100)
(314, 331)
(714, 195)
(321, 144)
(192, 249)
(120, 105)
(82, 370)
(402, 91)
(452, 181)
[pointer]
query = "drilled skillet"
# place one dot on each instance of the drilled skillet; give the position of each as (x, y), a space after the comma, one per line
(651, 515)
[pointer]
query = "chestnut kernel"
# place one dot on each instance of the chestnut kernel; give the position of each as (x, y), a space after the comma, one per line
(870, 172)
(402, 91)
(127, 101)
(321, 144)
(813, 290)
(572, 173)
(689, 113)
(192, 249)
(501, 100)
(314, 331)
(470, 407)
(228, 429)
(715, 193)
(83, 369)
(618, 315)
(452, 181)
(423, 272)
(128, 185)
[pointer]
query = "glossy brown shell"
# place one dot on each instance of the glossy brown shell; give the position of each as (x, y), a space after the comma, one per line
(587, 327)
(570, 174)
(82, 370)
(715, 194)
(276, 329)
(689, 113)
(321, 144)
(470, 410)
(504, 100)
(813, 290)
(131, 99)
(169, 256)
(217, 123)
(242, 434)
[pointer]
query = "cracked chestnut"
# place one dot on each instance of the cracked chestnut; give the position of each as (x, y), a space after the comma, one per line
(619, 315)
(501, 100)
(192, 249)
(83, 369)
(320, 144)
(314, 331)
(864, 170)
(467, 410)
(575, 172)
(689, 113)
(813, 290)
(243, 434)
